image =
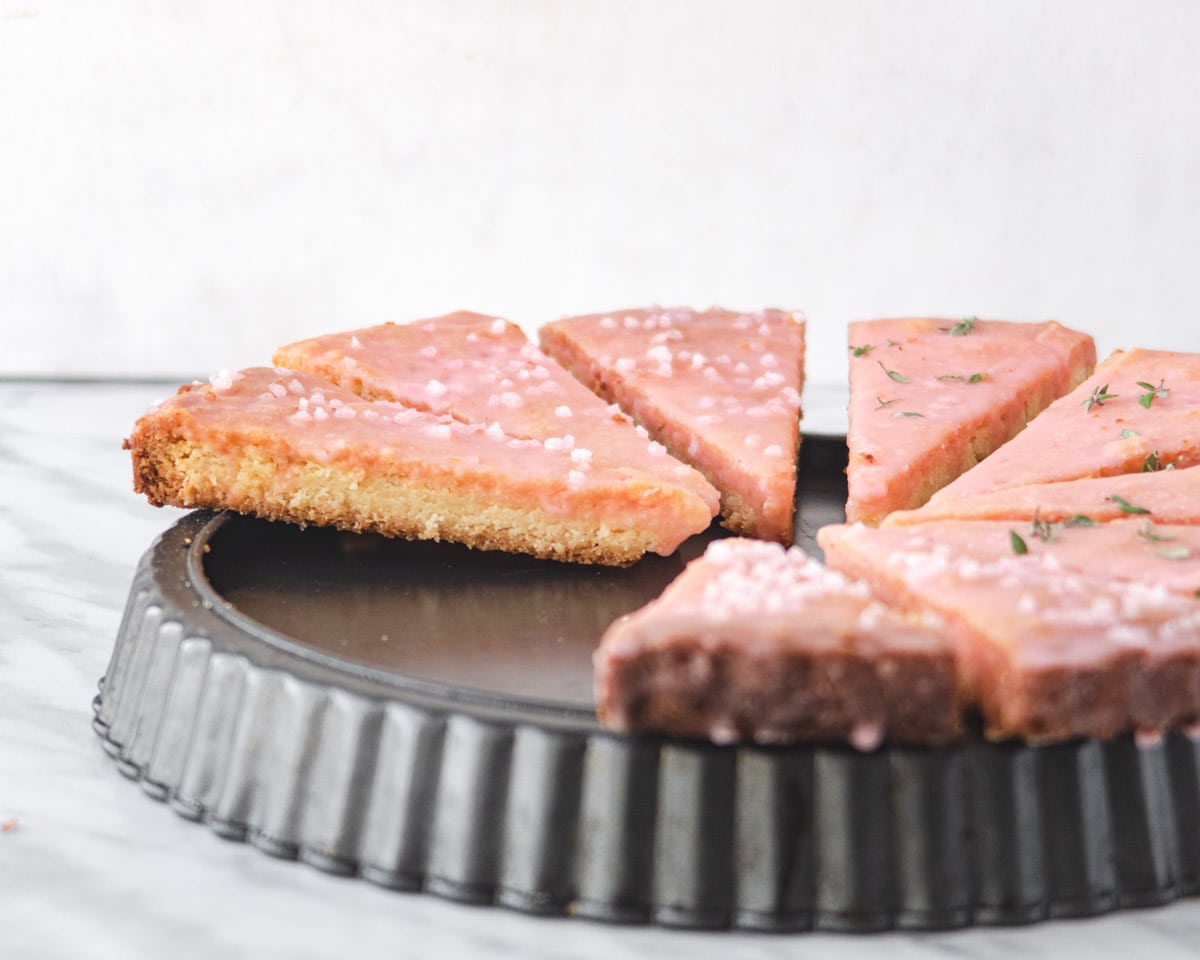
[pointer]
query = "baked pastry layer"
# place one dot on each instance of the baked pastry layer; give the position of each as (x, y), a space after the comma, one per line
(482, 369)
(1051, 642)
(1137, 405)
(289, 446)
(755, 643)
(1167, 494)
(719, 389)
(930, 399)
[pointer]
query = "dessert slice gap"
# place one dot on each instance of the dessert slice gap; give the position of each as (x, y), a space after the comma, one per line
(291, 446)
(757, 643)
(1170, 495)
(719, 389)
(1138, 407)
(482, 369)
(1051, 642)
(930, 398)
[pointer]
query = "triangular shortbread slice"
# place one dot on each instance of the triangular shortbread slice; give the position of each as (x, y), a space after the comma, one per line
(1167, 494)
(483, 369)
(720, 389)
(1136, 548)
(931, 398)
(1140, 408)
(1051, 642)
(755, 643)
(290, 446)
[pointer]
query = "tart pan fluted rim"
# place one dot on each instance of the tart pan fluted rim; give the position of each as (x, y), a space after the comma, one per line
(531, 805)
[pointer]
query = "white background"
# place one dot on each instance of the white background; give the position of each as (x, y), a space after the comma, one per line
(184, 186)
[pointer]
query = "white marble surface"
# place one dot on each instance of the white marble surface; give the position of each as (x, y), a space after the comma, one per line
(92, 868)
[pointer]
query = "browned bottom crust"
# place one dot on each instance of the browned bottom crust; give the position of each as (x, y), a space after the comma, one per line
(1053, 700)
(688, 691)
(1059, 703)
(174, 471)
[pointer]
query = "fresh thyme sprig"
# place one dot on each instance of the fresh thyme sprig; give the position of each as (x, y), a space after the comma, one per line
(1126, 506)
(893, 374)
(1167, 553)
(1098, 396)
(1152, 392)
(1147, 530)
(973, 378)
(1047, 530)
(1041, 529)
(1153, 463)
(962, 328)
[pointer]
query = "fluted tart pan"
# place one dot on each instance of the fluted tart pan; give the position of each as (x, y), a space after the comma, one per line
(420, 715)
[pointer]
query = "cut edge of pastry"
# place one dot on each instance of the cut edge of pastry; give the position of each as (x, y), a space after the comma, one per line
(174, 470)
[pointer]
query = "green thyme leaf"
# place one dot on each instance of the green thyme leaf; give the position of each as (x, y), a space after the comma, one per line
(1127, 433)
(863, 350)
(1152, 392)
(1147, 530)
(973, 378)
(898, 377)
(1098, 396)
(1153, 463)
(1019, 546)
(1175, 553)
(1041, 529)
(1126, 506)
(962, 328)
(1081, 520)
(907, 413)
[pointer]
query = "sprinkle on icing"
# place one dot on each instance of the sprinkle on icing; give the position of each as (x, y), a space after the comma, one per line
(225, 380)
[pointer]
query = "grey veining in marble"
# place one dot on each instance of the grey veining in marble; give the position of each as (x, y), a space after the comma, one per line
(91, 867)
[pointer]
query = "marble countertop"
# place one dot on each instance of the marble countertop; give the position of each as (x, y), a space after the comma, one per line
(91, 867)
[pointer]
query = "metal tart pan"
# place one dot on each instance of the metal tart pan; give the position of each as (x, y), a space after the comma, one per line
(420, 715)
